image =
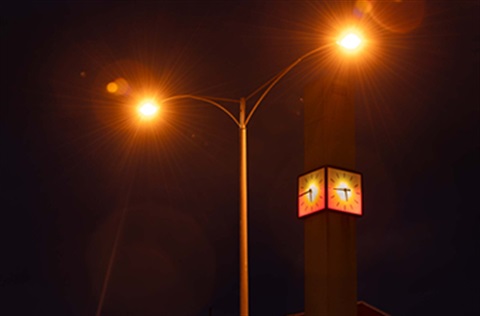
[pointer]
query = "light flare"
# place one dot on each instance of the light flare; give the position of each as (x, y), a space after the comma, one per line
(148, 109)
(351, 41)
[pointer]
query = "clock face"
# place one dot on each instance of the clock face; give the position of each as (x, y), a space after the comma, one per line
(344, 191)
(311, 192)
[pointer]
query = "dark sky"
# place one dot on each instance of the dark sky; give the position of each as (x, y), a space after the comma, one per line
(74, 160)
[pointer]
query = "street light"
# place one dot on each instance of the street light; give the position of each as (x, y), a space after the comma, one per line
(148, 109)
(351, 41)
(242, 121)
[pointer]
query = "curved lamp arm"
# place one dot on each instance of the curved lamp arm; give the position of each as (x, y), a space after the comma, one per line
(272, 82)
(206, 100)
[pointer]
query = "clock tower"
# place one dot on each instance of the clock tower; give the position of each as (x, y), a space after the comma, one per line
(330, 236)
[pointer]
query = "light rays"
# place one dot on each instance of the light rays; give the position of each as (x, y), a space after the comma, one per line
(350, 42)
(383, 71)
(319, 25)
(148, 109)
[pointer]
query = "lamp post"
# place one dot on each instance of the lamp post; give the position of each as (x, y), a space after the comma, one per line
(149, 109)
(244, 118)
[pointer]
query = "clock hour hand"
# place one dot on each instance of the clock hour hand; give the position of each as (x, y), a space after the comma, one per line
(309, 191)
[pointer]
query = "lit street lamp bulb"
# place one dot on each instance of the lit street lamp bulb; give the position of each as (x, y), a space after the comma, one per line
(351, 41)
(148, 109)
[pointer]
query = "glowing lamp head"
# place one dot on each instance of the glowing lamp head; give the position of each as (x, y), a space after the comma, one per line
(148, 109)
(350, 41)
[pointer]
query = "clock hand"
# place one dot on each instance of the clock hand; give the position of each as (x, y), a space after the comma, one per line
(341, 189)
(309, 191)
(345, 190)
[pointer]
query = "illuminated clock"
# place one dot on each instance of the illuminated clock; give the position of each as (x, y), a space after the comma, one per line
(344, 191)
(330, 188)
(311, 192)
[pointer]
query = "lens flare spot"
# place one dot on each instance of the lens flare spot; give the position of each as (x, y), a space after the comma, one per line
(399, 16)
(112, 87)
(119, 86)
(362, 8)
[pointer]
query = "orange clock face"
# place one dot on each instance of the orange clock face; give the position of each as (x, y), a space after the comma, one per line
(311, 192)
(344, 191)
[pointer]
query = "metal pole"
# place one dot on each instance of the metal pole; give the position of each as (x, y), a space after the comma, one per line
(110, 262)
(243, 212)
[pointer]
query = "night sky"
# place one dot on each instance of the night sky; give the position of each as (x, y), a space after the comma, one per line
(75, 161)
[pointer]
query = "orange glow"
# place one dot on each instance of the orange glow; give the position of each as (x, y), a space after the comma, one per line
(398, 16)
(148, 109)
(351, 41)
(112, 87)
(344, 191)
(311, 192)
(119, 86)
(363, 6)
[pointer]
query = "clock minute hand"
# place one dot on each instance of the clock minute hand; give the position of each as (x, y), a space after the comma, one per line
(342, 189)
(345, 190)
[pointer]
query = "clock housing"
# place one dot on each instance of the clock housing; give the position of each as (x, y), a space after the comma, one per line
(311, 192)
(344, 191)
(330, 188)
